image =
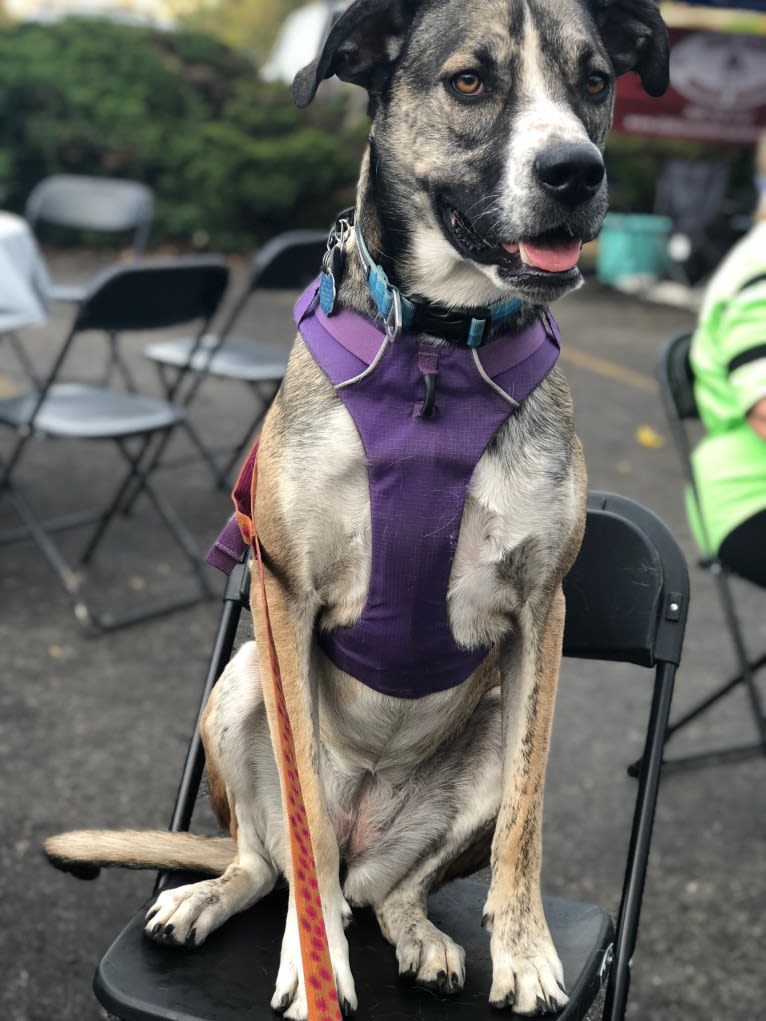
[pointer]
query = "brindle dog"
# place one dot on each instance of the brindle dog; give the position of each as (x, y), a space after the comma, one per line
(483, 177)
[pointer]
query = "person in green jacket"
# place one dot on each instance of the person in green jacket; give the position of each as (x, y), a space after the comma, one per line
(728, 359)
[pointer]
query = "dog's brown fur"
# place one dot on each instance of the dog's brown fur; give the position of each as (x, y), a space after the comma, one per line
(412, 792)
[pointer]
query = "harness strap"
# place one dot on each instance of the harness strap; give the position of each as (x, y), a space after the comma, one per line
(321, 994)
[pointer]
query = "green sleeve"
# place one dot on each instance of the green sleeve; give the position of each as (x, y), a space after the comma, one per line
(742, 336)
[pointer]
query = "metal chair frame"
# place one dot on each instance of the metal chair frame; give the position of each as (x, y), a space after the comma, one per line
(286, 262)
(677, 390)
(627, 599)
(135, 297)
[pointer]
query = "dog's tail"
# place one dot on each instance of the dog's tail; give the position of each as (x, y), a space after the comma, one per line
(85, 852)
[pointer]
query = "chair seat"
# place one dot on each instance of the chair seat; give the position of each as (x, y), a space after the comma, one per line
(73, 293)
(91, 412)
(235, 359)
(232, 975)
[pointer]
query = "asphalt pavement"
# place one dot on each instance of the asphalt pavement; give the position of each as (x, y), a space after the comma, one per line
(93, 730)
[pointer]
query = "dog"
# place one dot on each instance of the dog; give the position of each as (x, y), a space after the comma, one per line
(482, 178)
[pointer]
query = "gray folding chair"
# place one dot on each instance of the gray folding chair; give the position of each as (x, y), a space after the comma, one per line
(106, 205)
(138, 296)
(677, 390)
(287, 262)
(113, 206)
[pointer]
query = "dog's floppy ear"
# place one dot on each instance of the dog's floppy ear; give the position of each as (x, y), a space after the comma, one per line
(636, 39)
(361, 47)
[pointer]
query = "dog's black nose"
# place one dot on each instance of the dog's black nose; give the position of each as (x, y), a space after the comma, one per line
(570, 171)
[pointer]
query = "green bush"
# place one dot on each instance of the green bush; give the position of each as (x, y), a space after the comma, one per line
(229, 157)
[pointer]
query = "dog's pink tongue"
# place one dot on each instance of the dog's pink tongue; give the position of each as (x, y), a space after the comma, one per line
(554, 256)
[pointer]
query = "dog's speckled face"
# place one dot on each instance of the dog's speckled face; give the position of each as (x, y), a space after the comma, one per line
(488, 124)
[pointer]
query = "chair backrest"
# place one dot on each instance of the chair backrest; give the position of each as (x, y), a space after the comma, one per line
(288, 261)
(619, 593)
(676, 380)
(104, 204)
(153, 294)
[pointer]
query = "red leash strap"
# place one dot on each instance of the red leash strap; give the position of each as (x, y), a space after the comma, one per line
(321, 994)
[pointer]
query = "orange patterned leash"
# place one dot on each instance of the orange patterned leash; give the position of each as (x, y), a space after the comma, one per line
(321, 994)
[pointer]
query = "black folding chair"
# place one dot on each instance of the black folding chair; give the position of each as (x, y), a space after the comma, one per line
(677, 390)
(627, 598)
(136, 297)
(287, 262)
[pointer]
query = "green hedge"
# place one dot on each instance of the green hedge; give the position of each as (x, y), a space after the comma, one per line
(230, 159)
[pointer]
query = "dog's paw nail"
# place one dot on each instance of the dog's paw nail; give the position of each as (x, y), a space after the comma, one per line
(542, 1005)
(346, 1009)
(508, 1001)
(169, 930)
(191, 937)
(486, 920)
(152, 912)
(455, 980)
(562, 988)
(156, 928)
(283, 1004)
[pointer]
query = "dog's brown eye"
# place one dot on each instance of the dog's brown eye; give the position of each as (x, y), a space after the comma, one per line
(467, 84)
(595, 84)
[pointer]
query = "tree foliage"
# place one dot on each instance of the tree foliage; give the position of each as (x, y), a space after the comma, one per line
(227, 155)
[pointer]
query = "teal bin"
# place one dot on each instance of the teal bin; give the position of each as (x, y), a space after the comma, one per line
(632, 244)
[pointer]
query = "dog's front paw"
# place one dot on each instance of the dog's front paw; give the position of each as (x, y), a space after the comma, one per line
(431, 958)
(290, 991)
(526, 971)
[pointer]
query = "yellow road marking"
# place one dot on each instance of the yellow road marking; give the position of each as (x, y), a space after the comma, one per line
(8, 386)
(608, 369)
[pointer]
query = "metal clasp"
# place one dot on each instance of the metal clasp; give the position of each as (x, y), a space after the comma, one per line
(606, 964)
(394, 317)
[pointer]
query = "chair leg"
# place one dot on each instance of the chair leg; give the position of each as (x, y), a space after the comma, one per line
(221, 475)
(745, 678)
(23, 359)
(194, 764)
(139, 476)
(640, 841)
(71, 580)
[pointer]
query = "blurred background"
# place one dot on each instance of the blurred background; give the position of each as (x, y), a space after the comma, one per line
(191, 97)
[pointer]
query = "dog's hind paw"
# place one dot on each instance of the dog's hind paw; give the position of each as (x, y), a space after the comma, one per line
(431, 959)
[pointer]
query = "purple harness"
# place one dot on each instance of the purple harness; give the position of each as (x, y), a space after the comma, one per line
(419, 471)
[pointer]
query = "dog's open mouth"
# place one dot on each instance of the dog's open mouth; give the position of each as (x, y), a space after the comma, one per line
(552, 252)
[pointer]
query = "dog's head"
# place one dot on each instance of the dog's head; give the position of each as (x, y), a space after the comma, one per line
(488, 123)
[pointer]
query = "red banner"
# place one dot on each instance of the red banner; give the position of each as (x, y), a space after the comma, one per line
(717, 91)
